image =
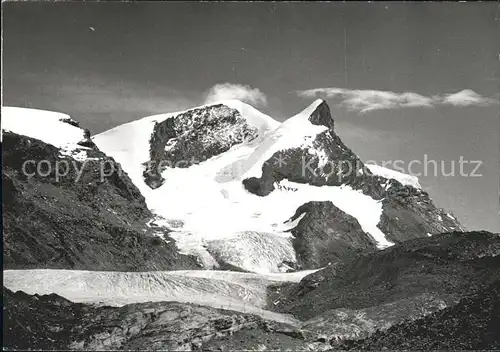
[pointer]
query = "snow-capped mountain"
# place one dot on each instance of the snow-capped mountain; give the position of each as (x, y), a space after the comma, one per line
(118, 260)
(228, 180)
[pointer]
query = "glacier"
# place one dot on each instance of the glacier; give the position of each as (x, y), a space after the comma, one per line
(242, 292)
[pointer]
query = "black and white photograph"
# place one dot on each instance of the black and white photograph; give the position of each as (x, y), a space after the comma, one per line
(250, 176)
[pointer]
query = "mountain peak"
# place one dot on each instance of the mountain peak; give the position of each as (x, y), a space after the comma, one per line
(317, 113)
(322, 115)
(253, 116)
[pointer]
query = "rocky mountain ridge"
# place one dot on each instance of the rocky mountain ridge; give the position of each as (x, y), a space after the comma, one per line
(79, 220)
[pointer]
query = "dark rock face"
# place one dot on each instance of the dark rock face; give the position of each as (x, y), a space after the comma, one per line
(193, 137)
(87, 141)
(264, 336)
(91, 219)
(409, 213)
(158, 326)
(70, 121)
(327, 235)
(298, 165)
(38, 322)
(322, 116)
(452, 264)
(336, 325)
(472, 324)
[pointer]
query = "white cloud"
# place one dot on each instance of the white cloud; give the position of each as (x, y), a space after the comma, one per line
(467, 97)
(225, 91)
(362, 100)
(413, 100)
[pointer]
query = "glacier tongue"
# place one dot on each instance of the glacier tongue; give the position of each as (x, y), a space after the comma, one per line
(258, 252)
(243, 292)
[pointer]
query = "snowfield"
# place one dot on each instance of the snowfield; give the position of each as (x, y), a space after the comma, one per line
(47, 126)
(243, 292)
(208, 203)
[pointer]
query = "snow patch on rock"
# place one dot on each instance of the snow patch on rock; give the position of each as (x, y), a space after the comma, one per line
(404, 179)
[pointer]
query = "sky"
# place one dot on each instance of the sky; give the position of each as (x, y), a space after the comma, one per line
(404, 81)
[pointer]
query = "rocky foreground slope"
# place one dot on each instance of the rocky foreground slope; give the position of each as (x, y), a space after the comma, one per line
(431, 286)
(446, 266)
(51, 322)
(472, 324)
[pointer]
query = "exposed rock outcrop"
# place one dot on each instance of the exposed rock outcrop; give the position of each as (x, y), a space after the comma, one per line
(70, 121)
(87, 141)
(322, 116)
(193, 137)
(447, 265)
(326, 235)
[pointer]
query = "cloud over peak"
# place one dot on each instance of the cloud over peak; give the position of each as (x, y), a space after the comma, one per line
(245, 93)
(363, 100)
